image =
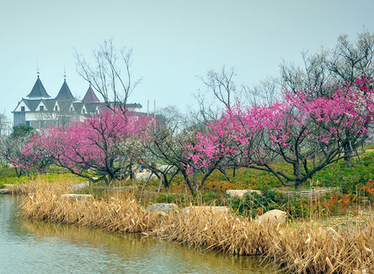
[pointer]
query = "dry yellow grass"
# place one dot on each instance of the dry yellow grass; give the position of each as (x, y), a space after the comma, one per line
(302, 249)
(118, 214)
(305, 249)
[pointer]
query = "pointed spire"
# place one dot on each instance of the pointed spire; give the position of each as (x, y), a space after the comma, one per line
(64, 73)
(38, 91)
(65, 94)
(37, 68)
(90, 96)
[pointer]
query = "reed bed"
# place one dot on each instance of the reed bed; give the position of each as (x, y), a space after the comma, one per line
(121, 214)
(304, 248)
(35, 186)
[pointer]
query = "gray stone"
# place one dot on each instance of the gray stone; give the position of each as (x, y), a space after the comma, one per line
(163, 207)
(272, 217)
(80, 187)
(240, 193)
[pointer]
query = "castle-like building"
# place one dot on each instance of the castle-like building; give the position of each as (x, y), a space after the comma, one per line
(39, 110)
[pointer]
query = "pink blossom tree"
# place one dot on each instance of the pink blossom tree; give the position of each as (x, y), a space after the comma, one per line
(306, 133)
(32, 159)
(91, 148)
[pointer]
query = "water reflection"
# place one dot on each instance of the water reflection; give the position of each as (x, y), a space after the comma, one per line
(30, 246)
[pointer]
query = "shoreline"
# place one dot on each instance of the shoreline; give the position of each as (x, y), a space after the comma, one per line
(297, 248)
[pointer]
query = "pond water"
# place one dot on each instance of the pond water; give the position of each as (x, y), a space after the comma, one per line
(29, 246)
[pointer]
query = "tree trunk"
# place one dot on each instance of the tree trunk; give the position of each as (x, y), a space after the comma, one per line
(298, 185)
(348, 153)
(194, 179)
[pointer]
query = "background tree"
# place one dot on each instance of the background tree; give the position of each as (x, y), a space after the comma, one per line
(306, 134)
(110, 75)
(166, 146)
(12, 145)
(220, 86)
(343, 64)
(22, 132)
(266, 92)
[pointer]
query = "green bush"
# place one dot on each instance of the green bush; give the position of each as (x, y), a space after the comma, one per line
(348, 175)
(7, 172)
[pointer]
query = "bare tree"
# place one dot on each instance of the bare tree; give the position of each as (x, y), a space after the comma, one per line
(313, 76)
(111, 74)
(207, 109)
(221, 84)
(343, 64)
(351, 60)
(267, 91)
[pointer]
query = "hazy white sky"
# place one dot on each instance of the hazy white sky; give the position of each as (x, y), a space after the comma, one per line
(173, 41)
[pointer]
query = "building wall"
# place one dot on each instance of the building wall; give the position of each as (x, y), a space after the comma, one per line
(18, 118)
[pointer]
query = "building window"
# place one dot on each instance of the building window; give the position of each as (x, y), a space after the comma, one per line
(23, 109)
(56, 108)
(41, 108)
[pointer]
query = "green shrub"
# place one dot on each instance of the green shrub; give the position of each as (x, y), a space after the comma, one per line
(348, 175)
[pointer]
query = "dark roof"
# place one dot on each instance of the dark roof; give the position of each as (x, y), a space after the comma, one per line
(91, 107)
(32, 104)
(64, 105)
(38, 91)
(65, 94)
(78, 107)
(90, 96)
(49, 103)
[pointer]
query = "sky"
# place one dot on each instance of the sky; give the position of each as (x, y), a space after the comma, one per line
(174, 42)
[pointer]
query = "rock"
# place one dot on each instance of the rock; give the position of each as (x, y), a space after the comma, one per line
(76, 197)
(143, 176)
(215, 209)
(163, 207)
(241, 193)
(5, 191)
(272, 217)
(80, 187)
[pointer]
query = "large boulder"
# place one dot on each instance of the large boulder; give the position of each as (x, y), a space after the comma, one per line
(272, 217)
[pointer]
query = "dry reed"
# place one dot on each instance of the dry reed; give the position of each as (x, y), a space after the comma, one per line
(117, 214)
(303, 249)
